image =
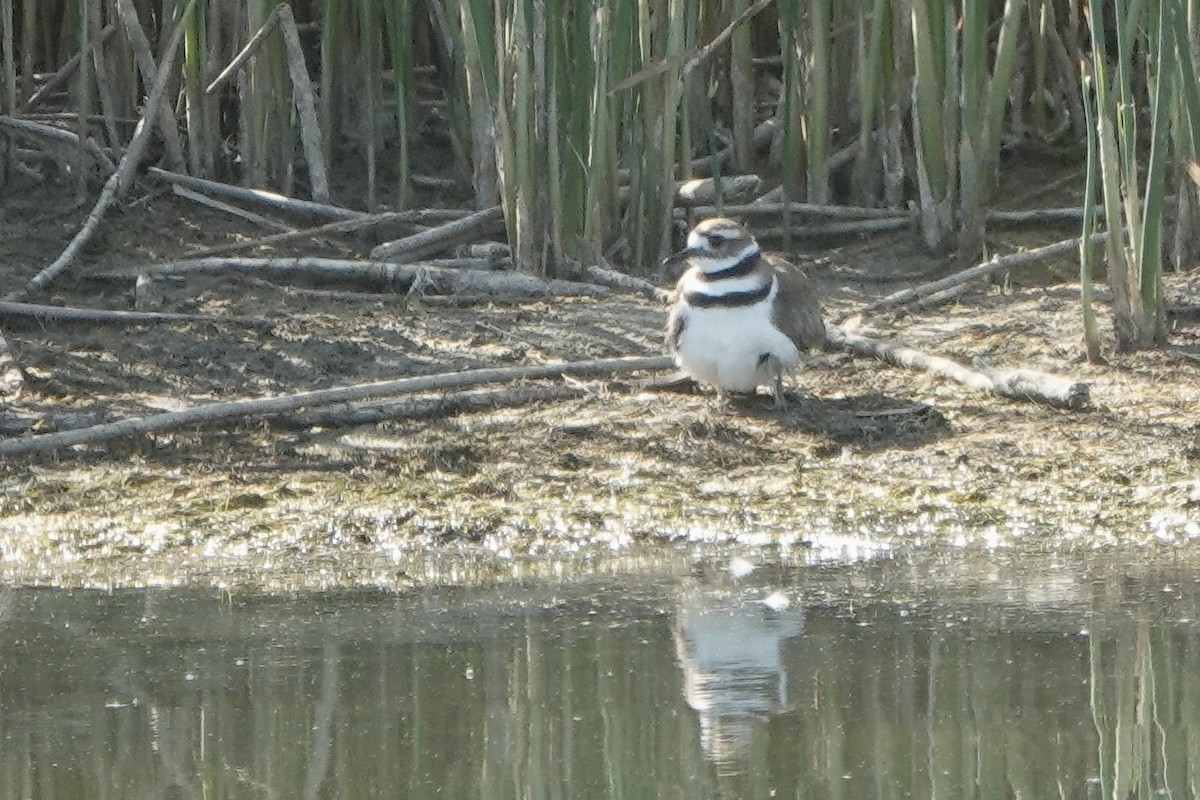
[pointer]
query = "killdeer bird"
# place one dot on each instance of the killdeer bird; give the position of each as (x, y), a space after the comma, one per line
(741, 317)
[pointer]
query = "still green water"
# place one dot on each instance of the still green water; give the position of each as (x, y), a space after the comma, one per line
(943, 678)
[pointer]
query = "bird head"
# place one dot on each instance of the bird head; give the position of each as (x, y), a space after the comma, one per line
(716, 244)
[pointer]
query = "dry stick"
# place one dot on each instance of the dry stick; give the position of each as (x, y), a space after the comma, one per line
(103, 316)
(252, 47)
(66, 70)
(348, 226)
(282, 404)
(619, 280)
(999, 264)
(235, 211)
(119, 180)
(306, 105)
(258, 196)
(40, 133)
(836, 228)
(1017, 384)
(144, 55)
(479, 225)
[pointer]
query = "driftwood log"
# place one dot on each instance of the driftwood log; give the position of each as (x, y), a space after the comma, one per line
(416, 278)
(1016, 384)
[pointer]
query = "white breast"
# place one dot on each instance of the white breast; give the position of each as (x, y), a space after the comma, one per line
(723, 347)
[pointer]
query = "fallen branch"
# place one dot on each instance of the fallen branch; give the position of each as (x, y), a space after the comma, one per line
(1016, 384)
(479, 225)
(103, 316)
(999, 264)
(116, 184)
(67, 141)
(258, 196)
(269, 407)
(705, 190)
(423, 277)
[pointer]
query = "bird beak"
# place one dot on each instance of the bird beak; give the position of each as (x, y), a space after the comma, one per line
(672, 265)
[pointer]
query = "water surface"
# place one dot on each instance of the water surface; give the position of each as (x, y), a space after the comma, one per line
(973, 676)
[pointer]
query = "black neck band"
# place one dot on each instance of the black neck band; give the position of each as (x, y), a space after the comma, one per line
(729, 300)
(739, 270)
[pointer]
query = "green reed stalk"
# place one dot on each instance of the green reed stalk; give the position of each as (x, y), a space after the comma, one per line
(1087, 249)
(398, 14)
(600, 167)
(1186, 145)
(332, 23)
(252, 112)
(194, 50)
(9, 100)
(794, 155)
(873, 89)
(1135, 223)
(817, 119)
(741, 87)
(934, 119)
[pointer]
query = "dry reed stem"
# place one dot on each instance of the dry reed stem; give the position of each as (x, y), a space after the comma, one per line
(144, 55)
(999, 264)
(306, 105)
(444, 237)
(258, 196)
(414, 218)
(63, 74)
(232, 210)
(116, 184)
(619, 280)
(251, 47)
(268, 407)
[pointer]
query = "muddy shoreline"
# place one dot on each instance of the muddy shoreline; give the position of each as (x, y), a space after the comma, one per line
(611, 472)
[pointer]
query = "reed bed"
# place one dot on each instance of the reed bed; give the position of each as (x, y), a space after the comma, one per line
(579, 118)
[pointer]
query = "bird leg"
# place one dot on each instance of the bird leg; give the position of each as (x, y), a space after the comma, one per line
(775, 370)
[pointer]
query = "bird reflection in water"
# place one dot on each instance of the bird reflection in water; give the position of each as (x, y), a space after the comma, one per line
(730, 648)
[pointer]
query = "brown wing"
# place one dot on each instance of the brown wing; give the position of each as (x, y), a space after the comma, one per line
(797, 307)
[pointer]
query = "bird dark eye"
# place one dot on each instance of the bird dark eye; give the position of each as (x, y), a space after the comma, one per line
(715, 239)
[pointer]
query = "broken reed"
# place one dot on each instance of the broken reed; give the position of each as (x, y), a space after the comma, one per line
(578, 117)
